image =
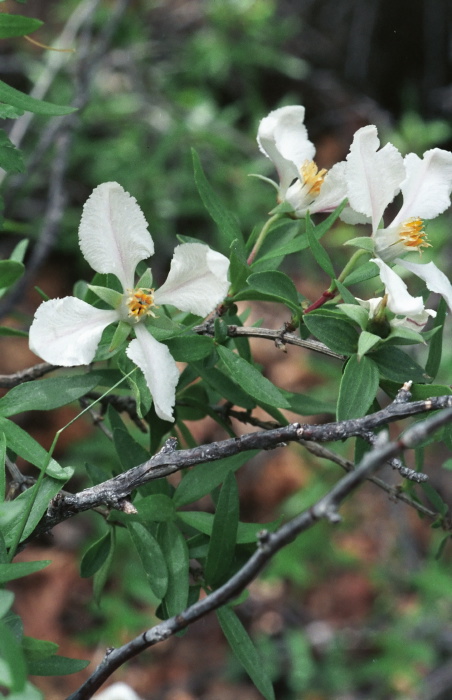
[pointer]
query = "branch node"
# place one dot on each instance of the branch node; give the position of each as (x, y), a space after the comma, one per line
(404, 394)
(127, 507)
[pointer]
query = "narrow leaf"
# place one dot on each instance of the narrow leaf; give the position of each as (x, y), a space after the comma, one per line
(359, 386)
(245, 651)
(175, 552)
(18, 99)
(11, 572)
(95, 556)
(251, 380)
(319, 253)
(151, 557)
(202, 479)
(17, 25)
(339, 336)
(436, 343)
(226, 222)
(224, 533)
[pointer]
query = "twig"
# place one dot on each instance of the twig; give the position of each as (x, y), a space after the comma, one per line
(277, 336)
(268, 544)
(169, 460)
(7, 381)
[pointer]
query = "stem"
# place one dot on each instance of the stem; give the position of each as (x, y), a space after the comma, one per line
(330, 293)
(26, 514)
(351, 264)
(262, 236)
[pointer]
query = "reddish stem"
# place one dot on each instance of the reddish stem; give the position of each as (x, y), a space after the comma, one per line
(326, 296)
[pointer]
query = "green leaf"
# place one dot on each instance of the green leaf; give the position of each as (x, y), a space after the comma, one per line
(15, 570)
(95, 556)
(339, 336)
(10, 112)
(101, 575)
(38, 648)
(17, 25)
(24, 445)
(175, 552)
(109, 296)
(151, 557)
(347, 296)
(56, 666)
(395, 364)
(203, 478)
(11, 158)
(129, 451)
(224, 532)
(155, 508)
(362, 273)
(10, 270)
(6, 600)
(308, 405)
(13, 670)
(2, 467)
(246, 532)
(319, 253)
(436, 343)
(366, 342)
(358, 314)
(224, 219)
(18, 99)
(250, 379)
(190, 348)
(7, 331)
(41, 495)
(245, 651)
(239, 268)
(363, 242)
(47, 394)
(275, 285)
(359, 386)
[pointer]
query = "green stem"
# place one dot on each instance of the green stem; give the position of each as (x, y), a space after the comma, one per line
(351, 264)
(26, 515)
(262, 236)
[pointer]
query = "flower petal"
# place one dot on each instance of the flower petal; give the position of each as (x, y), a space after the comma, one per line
(197, 280)
(435, 280)
(427, 186)
(159, 369)
(373, 176)
(67, 331)
(113, 233)
(333, 190)
(283, 138)
(400, 300)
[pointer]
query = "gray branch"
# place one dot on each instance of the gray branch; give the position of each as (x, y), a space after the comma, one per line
(268, 544)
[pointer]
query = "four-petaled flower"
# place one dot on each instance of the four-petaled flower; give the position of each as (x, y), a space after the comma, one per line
(375, 176)
(283, 138)
(114, 238)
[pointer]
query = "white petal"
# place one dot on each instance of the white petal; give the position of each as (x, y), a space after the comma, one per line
(113, 233)
(373, 176)
(416, 322)
(370, 304)
(333, 190)
(283, 138)
(159, 369)
(435, 280)
(400, 300)
(67, 331)
(197, 280)
(427, 186)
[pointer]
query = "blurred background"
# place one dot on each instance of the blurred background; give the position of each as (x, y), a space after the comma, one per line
(360, 611)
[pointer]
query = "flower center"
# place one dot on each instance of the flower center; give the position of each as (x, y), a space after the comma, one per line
(140, 303)
(412, 234)
(312, 177)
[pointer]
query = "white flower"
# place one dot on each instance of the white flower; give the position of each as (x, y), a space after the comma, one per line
(375, 176)
(117, 691)
(411, 309)
(114, 238)
(283, 138)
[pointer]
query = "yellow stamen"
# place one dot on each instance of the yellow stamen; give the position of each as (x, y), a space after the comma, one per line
(412, 234)
(140, 302)
(312, 177)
